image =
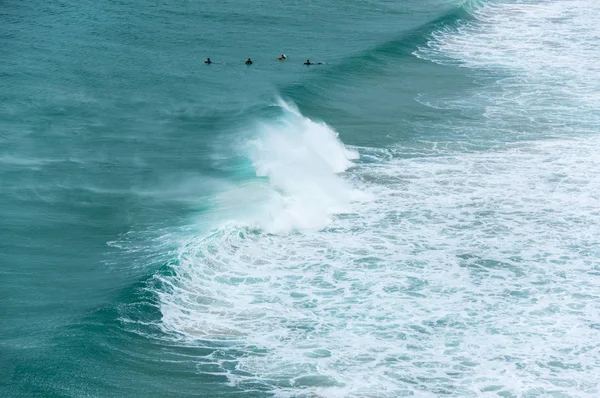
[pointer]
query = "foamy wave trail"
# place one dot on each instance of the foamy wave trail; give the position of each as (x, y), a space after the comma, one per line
(540, 74)
(444, 285)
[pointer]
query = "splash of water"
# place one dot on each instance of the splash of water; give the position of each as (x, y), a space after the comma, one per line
(298, 162)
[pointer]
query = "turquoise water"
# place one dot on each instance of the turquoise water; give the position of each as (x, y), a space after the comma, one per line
(419, 216)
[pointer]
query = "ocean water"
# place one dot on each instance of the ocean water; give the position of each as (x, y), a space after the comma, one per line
(418, 216)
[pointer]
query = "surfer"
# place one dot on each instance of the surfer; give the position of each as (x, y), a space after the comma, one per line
(249, 62)
(208, 61)
(310, 63)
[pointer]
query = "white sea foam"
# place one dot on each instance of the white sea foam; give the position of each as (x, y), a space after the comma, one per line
(545, 66)
(467, 274)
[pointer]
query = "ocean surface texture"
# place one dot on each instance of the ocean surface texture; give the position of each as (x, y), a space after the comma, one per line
(419, 216)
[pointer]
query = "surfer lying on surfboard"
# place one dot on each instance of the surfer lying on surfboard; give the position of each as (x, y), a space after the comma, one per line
(310, 63)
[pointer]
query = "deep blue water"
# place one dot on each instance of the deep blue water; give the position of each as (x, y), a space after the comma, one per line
(418, 216)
